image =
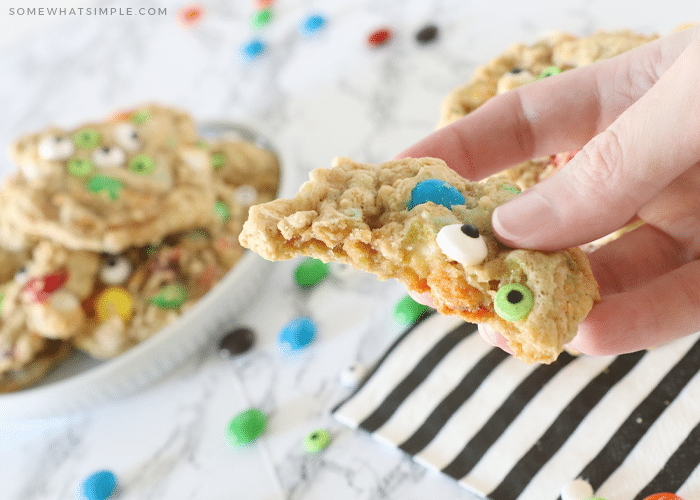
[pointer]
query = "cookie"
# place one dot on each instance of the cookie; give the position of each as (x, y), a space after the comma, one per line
(109, 185)
(386, 219)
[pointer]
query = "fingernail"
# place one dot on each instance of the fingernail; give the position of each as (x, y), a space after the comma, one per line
(519, 221)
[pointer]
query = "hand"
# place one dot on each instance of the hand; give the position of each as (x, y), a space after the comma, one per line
(636, 120)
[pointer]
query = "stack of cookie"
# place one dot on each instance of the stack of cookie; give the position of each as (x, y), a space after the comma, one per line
(110, 231)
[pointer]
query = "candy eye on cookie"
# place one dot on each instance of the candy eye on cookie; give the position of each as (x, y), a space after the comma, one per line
(115, 269)
(108, 157)
(514, 302)
(55, 147)
(127, 136)
(462, 243)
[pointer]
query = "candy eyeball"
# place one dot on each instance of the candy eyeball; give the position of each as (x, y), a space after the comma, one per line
(245, 195)
(352, 375)
(115, 269)
(22, 276)
(514, 302)
(108, 157)
(55, 147)
(462, 243)
(127, 136)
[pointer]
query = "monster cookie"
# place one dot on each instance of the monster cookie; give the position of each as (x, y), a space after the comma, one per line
(417, 221)
(109, 185)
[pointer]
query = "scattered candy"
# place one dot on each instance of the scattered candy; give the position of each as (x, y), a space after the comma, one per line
(253, 49)
(55, 147)
(115, 269)
(261, 4)
(106, 157)
(463, 243)
(190, 15)
(39, 289)
(550, 71)
(379, 37)
(663, 496)
(261, 18)
(236, 342)
(103, 184)
(142, 164)
(112, 301)
(312, 24)
(246, 427)
(437, 191)
(310, 272)
(317, 440)
(513, 302)
(217, 160)
(407, 311)
(222, 210)
(297, 334)
(170, 296)
(100, 485)
(352, 375)
(427, 34)
(79, 167)
(86, 138)
(578, 489)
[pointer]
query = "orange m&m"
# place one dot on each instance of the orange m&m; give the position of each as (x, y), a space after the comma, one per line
(663, 496)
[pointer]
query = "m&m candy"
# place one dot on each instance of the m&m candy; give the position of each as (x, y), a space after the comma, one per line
(407, 311)
(310, 272)
(236, 342)
(99, 485)
(437, 191)
(253, 50)
(663, 496)
(427, 34)
(246, 427)
(297, 334)
(312, 24)
(112, 301)
(380, 37)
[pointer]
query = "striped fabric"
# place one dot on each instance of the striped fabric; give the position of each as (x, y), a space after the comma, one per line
(629, 425)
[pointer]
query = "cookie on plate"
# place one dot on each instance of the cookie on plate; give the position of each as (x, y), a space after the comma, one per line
(417, 221)
(109, 185)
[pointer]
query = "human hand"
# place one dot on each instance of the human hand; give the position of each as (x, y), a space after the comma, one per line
(636, 120)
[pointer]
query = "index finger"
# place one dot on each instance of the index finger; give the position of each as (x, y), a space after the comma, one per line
(558, 113)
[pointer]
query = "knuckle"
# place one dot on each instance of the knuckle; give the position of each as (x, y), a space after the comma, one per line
(603, 160)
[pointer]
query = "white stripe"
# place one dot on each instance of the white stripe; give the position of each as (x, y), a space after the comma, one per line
(691, 487)
(413, 412)
(473, 414)
(600, 424)
(395, 367)
(535, 418)
(648, 457)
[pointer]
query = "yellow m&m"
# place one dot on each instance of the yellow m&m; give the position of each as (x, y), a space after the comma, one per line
(114, 301)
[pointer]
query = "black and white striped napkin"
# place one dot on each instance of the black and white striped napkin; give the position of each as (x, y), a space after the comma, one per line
(629, 424)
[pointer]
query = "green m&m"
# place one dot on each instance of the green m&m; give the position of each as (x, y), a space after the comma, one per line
(310, 272)
(407, 311)
(246, 427)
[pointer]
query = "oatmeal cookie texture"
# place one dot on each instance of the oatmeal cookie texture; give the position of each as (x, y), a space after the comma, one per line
(385, 219)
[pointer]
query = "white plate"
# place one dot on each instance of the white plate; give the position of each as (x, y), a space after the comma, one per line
(80, 383)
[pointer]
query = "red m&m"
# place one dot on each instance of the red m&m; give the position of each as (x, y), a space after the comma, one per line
(379, 37)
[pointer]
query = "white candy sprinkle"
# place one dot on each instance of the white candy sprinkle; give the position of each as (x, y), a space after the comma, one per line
(578, 489)
(352, 375)
(458, 246)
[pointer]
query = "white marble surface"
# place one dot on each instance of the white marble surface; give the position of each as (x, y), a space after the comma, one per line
(320, 97)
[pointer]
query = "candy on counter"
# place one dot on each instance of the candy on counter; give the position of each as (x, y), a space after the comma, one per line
(312, 24)
(427, 34)
(513, 302)
(261, 18)
(437, 191)
(317, 440)
(99, 485)
(310, 272)
(261, 4)
(351, 376)
(578, 489)
(463, 243)
(246, 427)
(297, 334)
(236, 342)
(380, 37)
(190, 15)
(253, 49)
(407, 311)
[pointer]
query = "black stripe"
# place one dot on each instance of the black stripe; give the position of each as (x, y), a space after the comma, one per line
(451, 403)
(563, 426)
(416, 376)
(397, 342)
(642, 417)
(502, 418)
(678, 468)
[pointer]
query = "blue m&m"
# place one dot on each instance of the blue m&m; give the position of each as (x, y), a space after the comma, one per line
(296, 334)
(100, 485)
(437, 191)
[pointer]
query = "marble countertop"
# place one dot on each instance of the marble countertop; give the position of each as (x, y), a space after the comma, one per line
(316, 97)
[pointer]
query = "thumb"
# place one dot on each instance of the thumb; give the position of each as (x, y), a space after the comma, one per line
(651, 143)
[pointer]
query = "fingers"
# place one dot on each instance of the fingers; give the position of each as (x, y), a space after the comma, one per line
(662, 310)
(556, 114)
(651, 143)
(494, 338)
